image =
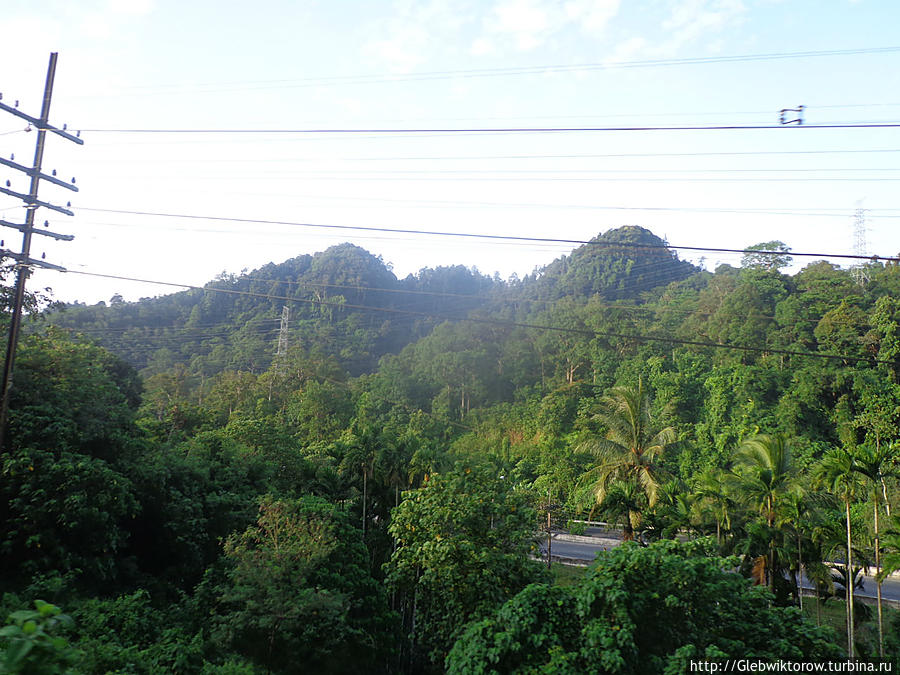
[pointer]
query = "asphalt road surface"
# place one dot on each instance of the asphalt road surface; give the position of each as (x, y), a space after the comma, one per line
(578, 550)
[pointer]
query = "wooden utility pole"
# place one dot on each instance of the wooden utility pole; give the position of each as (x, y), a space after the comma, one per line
(549, 539)
(24, 263)
(550, 507)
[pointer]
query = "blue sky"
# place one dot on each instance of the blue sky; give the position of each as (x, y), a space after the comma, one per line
(158, 64)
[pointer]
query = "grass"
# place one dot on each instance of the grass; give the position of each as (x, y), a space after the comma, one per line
(833, 614)
(567, 575)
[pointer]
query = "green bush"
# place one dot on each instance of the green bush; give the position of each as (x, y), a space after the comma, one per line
(640, 611)
(576, 527)
(30, 642)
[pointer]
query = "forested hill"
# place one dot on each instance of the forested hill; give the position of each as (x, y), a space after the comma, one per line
(334, 297)
(620, 264)
(233, 324)
(382, 478)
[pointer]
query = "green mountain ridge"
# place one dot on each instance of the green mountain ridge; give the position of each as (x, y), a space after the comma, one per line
(368, 498)
(347, 303)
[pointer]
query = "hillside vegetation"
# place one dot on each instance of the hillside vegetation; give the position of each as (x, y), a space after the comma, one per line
(206, 487)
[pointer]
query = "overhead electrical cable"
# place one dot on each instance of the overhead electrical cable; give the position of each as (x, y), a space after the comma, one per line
(159, 331)
(394, 401)
(275, 160)
(504, 237)
(671, 276)
(499, 322)
(787, 211)
(417, 177)
(512, 71)
(366, 173)
(503, 130)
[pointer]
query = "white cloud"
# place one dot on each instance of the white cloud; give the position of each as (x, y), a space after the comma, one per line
(416, 31)
(628, 50)
(592, 16)
(691, 19)
(481, 47)
(138, 7)
(528, 24)
(95, 26)
(525, 21)
(30, 33)
(403, 51)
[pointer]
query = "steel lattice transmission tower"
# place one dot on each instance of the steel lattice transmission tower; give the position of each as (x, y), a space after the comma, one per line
(860, 270)
(281, 351)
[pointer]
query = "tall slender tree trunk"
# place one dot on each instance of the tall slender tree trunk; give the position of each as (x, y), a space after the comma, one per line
(818, 607)
(365, 475)
(412, 630)
(627, 530)
(849, 594)
(770, 568)
(800, 571)
(878, 582)
(542, 375)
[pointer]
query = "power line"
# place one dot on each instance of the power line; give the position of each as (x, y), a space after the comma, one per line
(409, 408)
(520, 70)
(804, 212)
(484, 298)
(178, 340)
(474, 235)
(498, 322)
(672, 275)
(367, 173)
(166, 331)
(619, 155)
(502, 130)
(417, 177)
(775, 211)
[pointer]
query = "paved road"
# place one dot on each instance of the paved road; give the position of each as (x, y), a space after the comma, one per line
(578, 550)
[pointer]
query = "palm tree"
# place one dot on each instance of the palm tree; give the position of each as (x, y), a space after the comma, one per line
(876, 464)
(796, 511)
(630, 451)
(764, 476)
(838, 473)
(624, 501)
(819, 575)
(675, 511)
(710, 488)
(891, 561)
(830, 536)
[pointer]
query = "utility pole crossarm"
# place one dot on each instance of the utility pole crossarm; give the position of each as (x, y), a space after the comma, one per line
(40, 124)
(46, 233)
(43, 176)
(24, 261)
(34, 201)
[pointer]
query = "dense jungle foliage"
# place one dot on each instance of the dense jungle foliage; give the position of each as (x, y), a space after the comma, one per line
(207, 482)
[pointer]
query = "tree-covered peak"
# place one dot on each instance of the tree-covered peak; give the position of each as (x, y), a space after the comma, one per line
(352, 265)
(629, 234)
(621, 263)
